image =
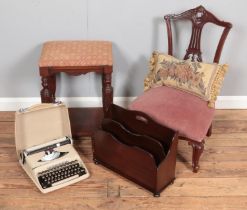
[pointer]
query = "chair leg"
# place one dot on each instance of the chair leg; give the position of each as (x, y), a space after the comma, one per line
(209, 133)
(198, 148)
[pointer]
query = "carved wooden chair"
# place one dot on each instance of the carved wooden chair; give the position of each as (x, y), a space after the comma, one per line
(177, 109)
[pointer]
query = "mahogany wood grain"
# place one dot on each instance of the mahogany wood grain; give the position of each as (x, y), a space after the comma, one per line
(198, 16)
(48, 78)
(146, 143)
(139, 157)
(134, 163)
(140, 123)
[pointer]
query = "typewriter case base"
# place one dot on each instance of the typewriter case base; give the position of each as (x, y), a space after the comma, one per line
(39, 125)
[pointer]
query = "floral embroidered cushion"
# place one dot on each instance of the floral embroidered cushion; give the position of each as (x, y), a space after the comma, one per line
(201, 79)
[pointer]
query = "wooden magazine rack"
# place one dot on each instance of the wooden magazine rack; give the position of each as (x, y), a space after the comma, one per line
(145, 156)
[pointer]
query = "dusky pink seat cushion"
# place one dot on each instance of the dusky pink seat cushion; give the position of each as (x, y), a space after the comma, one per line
(176, 109)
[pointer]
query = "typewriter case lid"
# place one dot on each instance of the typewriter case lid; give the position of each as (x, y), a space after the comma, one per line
(40, 124)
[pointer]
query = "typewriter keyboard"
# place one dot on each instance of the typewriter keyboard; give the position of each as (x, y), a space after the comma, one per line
(60, 174)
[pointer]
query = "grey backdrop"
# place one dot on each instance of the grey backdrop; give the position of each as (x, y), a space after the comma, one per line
(135, 27)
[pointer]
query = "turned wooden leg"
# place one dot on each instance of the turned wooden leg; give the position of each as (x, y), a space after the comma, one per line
(198, 148)
(107, 92)
(209, 133)
(49, 88)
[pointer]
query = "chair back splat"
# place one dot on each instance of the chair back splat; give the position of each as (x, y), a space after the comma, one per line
(199, 16)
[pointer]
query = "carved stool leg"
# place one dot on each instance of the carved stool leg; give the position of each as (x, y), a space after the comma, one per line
(107, 92)
(49, 89)
(209, 133)
(198, 148)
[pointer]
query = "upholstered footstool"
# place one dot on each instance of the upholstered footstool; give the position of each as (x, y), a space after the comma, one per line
(76, 58)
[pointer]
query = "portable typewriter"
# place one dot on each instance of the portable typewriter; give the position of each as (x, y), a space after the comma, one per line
(51, 163)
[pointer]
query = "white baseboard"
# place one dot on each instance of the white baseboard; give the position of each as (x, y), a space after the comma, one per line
(231, 102)
(13, 104)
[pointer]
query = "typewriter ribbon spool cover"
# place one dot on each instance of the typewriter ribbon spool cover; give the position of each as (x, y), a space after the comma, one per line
(43, 139)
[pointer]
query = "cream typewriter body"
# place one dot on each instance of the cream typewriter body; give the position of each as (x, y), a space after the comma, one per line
(51, 163)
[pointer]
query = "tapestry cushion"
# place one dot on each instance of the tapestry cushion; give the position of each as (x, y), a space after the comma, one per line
(201, 79)
(177, 110)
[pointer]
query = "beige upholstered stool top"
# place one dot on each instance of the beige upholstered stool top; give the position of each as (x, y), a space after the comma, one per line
(76, 54)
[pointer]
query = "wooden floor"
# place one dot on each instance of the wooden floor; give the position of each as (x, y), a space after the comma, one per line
(220, 184)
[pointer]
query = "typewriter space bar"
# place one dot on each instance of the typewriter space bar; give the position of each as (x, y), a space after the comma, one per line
(65, 180)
